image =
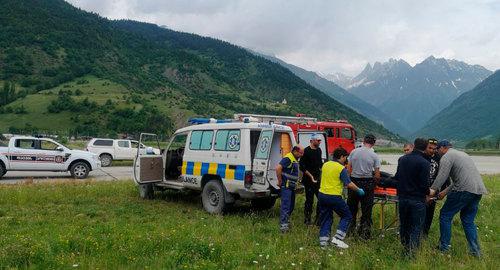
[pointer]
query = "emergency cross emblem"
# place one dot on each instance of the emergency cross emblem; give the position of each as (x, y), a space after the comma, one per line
(233, 141)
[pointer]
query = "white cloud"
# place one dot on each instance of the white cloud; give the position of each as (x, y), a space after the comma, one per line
(328, 35)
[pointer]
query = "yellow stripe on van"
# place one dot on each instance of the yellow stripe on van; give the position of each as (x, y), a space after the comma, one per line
(184, 167)
(197, 169)
(229, 173)
(212, 168)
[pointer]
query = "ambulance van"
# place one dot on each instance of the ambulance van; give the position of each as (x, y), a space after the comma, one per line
(225, 160)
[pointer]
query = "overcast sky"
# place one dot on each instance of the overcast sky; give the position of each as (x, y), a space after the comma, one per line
(330, 35)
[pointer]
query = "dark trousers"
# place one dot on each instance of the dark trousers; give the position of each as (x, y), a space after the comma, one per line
(311, 190)
(429, 215)
(328, 205)
(467, 204)
(411, 218)
(366, 201)
(286, 208)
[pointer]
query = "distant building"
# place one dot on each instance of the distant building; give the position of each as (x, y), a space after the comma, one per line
(284, 101)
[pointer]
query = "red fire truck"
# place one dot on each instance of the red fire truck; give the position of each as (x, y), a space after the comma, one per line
(338, 133)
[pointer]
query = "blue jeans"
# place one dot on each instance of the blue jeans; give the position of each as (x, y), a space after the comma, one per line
(467, 203)
(287, 205)
(411, 218)
(327, 205)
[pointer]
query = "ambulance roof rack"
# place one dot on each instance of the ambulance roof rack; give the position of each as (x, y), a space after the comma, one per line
(277, 119)
(197, 121)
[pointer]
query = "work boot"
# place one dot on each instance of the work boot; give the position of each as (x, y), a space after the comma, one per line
(339, 243)
(284, 228)
(307, 221)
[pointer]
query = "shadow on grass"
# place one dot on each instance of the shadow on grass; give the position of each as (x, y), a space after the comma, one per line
(192, 199)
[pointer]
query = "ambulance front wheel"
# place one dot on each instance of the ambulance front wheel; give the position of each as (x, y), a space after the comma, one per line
(263, 203)
(146, 191)
(213, 197)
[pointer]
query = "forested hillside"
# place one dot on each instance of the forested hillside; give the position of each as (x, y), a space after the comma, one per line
(48, 47)
(473, 115)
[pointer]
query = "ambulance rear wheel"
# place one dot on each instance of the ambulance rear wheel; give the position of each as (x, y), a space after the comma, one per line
(146, 191)
(213, 197)
(263, 203)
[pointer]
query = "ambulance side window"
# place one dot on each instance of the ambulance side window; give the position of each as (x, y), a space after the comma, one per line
(264, 144)
(201, 140)
(227, 140)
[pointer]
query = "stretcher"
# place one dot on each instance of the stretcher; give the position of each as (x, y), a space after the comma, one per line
(384, 197)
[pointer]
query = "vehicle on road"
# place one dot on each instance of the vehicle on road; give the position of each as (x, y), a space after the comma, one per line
(339, 133)
(224, 160)
(25, 153)
(110, 149)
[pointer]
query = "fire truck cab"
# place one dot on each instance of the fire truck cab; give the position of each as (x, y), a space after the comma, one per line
(338, 133)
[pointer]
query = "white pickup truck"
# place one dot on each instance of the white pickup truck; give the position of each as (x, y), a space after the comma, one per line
(44, 154)
(110, 149)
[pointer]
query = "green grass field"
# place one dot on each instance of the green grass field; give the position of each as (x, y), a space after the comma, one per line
(105, 225)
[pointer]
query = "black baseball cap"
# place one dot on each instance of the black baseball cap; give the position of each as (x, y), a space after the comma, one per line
(444, 143)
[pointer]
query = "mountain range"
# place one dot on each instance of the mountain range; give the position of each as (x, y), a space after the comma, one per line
(411, 95)
(473, 115)
(74, 70)
(343, 96)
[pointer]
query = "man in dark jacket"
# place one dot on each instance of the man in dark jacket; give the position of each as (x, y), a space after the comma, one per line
(434, 158)
(413, 187)
(310, 165)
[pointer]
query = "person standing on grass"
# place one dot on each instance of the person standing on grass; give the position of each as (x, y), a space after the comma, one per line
(364, 166)
(310, 165)
(433, 157)
(334, 177)
(412, 178)
(464, 195)
(287, 172)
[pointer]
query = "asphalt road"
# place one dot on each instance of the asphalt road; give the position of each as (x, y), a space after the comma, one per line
(104, 174)
(485, 164)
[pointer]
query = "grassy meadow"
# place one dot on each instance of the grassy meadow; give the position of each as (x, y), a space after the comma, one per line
(105, 225)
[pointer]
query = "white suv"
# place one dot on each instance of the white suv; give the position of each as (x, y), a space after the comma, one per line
(109, 149)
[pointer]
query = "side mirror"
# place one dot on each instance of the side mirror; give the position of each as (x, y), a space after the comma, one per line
(60, 149)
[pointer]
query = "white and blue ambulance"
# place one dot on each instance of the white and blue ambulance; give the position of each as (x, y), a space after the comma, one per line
(225, 160)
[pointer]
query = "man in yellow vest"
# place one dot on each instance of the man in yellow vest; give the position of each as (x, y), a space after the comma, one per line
(334, 176)
(287, 172)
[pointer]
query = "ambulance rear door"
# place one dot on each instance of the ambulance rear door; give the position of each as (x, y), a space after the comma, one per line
(261, 160)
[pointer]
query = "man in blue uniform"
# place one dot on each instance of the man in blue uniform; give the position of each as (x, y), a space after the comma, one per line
(287, 172)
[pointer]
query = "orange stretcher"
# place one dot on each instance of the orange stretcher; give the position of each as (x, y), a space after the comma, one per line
(384, 197)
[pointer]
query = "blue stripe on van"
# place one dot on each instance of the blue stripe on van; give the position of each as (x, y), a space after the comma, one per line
(239, 173)
(204, 168)
(190, 168)
(221, 170)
